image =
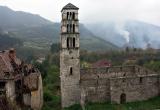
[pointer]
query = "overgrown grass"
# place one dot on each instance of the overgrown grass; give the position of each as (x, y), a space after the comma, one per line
(152, 104)
(51, 89)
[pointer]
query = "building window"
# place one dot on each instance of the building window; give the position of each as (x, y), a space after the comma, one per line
(67, 27)
(67, 15)
(71, 71)
(71, 42)
(67, 42)
(2, 85)
(70, 27)
(140, 80)
(73, 27)
(70, 15)
(73, 16)
(74, 42)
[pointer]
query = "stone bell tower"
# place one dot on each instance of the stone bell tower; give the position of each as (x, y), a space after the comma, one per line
(69, 56)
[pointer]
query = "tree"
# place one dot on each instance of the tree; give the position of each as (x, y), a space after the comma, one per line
(55, 47)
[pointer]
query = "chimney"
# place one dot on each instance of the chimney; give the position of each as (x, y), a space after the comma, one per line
(12, 54)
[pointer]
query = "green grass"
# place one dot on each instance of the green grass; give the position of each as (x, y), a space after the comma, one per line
(152, 104)
(52, 99)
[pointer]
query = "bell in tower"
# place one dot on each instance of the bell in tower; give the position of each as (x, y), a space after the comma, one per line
(69, 56)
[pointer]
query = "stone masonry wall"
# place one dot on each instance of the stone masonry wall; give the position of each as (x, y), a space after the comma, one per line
(96, 90)
(70, 90)
(108, 84)
(135, 88)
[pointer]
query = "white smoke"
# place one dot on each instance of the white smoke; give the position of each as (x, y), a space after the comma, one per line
(125, 34)
(121, 30)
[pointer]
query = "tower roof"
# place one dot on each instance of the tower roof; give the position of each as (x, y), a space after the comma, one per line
(70, 6)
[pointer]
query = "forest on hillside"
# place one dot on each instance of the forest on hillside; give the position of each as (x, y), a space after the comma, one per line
(7, 42)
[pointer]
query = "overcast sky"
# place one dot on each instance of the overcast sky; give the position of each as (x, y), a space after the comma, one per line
(92, 10)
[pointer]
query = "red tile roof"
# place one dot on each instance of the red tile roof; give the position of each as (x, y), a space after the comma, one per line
(102, 63)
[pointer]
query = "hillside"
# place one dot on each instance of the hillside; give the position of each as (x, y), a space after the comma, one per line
(142, 34)
(39, 33)
(130, 33)
(7, 42)
(11, 20)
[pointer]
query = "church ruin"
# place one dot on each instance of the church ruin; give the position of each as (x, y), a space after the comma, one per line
(115, 84)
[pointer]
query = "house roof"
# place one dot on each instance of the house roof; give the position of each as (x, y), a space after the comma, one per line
(101, 63)
(6, 68)
(70, 6)
(5, 64)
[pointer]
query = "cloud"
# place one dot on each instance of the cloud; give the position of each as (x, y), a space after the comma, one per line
(93, 10)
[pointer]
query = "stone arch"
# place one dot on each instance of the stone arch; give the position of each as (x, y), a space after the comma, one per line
(123, 98)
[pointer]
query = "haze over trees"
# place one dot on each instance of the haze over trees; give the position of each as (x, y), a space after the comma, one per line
(7, 42)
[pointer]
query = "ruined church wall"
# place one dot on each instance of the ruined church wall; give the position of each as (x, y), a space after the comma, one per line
(107, 84)
(96, 90)
(135, 88)
(96, 81)
(95, 87)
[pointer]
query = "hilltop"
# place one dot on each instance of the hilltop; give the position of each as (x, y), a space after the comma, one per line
(39, 33)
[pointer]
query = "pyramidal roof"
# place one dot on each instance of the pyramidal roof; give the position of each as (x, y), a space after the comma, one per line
(70, 6)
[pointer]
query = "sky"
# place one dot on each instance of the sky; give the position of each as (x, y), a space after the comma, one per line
(92, 11)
